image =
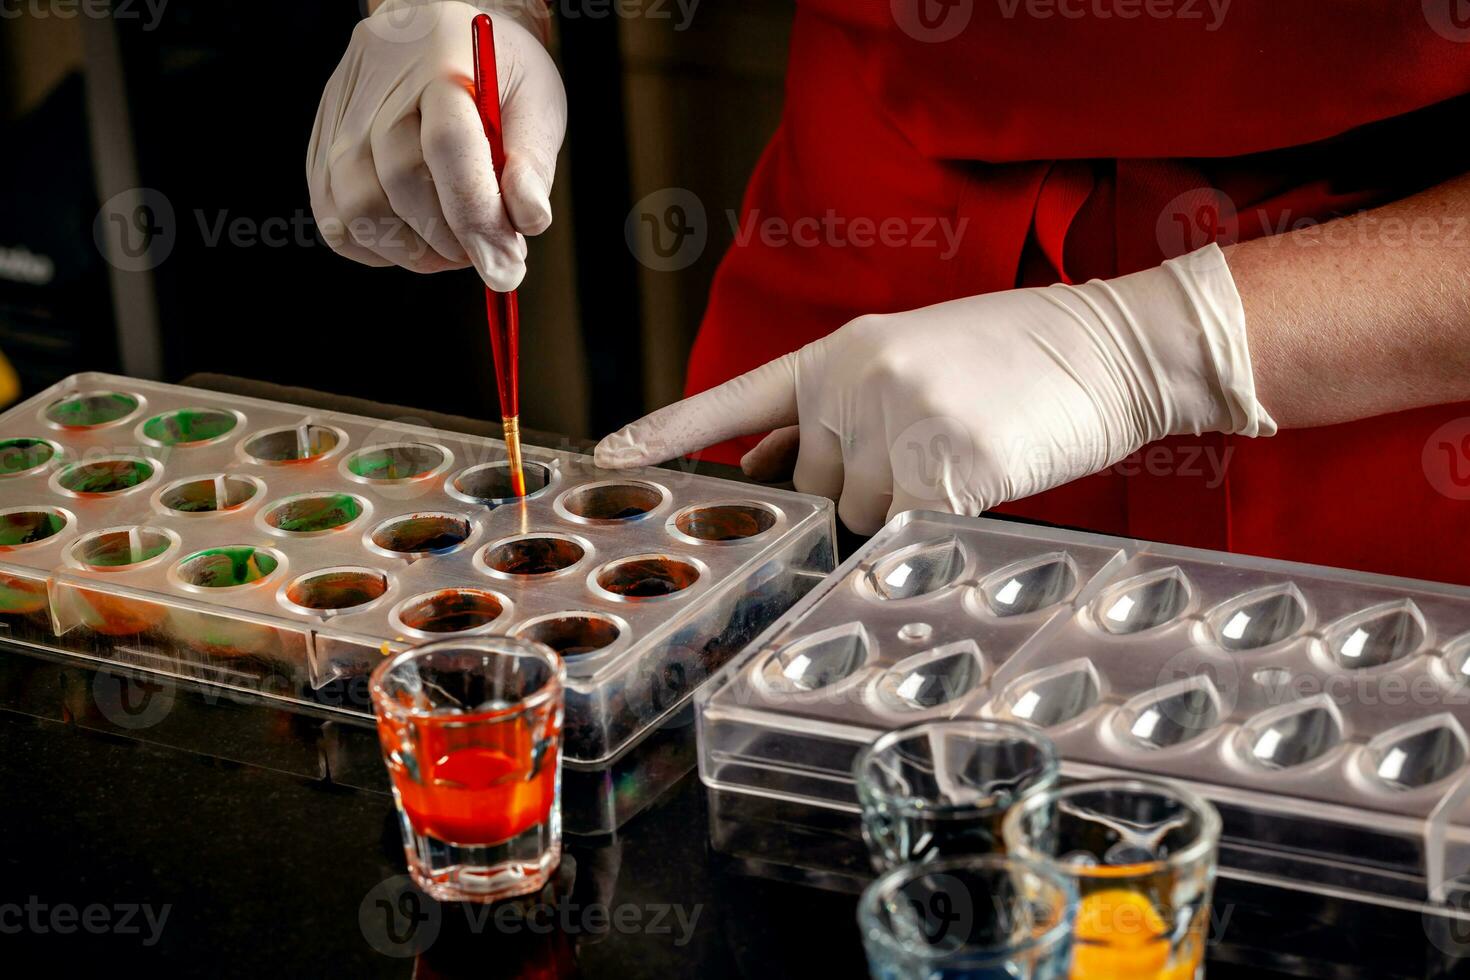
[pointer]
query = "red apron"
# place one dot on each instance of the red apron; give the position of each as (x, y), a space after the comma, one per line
(1033, 149)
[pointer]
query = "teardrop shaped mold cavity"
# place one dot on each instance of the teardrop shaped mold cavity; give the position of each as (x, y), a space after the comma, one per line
(1418, 753)
(1144, 602)
(1052, 696)
(1377, 636)
(820, 660)
(933, 677)
(1030, 585)
(1259, 619)
(1282, 739)
(1174, 714)
(917, 570)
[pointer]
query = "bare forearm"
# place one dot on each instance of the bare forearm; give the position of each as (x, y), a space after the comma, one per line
(1364, 315)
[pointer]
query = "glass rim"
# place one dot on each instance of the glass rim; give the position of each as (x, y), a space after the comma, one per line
(1016, 842)
(871, 927)
(908, 803)
(491, 643)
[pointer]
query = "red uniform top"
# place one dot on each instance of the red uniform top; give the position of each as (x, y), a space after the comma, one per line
(944, 148)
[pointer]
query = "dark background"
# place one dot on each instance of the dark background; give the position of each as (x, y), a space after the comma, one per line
(210, 106)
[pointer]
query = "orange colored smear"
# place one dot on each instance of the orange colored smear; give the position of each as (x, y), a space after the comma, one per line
(1120, 936)
(476, 786)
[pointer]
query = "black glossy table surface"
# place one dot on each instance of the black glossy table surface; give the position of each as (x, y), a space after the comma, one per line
(178, 850)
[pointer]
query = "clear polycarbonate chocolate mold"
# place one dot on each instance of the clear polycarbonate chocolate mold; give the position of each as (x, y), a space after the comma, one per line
(820, 660)
(529, 555)
(919, 570)
(216, 494)
(1377, 636)
(491, 483)
(1030, 585)
(414, 536)
(284, 551)
(1259, 619)
(1051, 696)
(397, 462)
(188, 427)
(932, 678)
(611, 501)
(22, 456)
(1417, 754)
(1292, 734)
(1171, 715)
(1144, 603)
(303, 443)
(92, 409)
(1324, 710)
(574, 634)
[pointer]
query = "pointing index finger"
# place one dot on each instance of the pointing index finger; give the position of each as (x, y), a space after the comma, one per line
(757, 401)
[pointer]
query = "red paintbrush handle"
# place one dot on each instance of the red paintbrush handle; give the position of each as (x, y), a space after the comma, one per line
(504, 315)
(501, 309)
(487, 90)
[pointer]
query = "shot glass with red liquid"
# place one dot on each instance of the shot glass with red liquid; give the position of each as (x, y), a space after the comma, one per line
(471, 734)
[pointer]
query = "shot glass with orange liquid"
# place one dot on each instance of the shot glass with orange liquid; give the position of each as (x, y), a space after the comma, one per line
(471, 734)
(1142, 854)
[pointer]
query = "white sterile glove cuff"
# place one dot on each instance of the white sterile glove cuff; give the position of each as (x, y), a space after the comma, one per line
(974, 402)
(399, 167)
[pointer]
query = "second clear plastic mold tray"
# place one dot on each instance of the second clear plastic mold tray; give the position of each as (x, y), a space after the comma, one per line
(281, 551)
(1324, 711)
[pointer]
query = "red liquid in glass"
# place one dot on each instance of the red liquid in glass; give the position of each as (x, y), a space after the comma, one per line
(476, 784)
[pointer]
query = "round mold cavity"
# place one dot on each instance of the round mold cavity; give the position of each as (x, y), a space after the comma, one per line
(1258, 619)
(1417, 754)
(930, 679)
(1290, 736)
(291, 445)
(640, 578)
(727, 523)
(460, 610)
(818, 661)
(217, 494)
(1144, 602)
(105, 477)
(21, 527)
(1051, 696)
(489, 483)
(335, 589)
(421, 535)
(123, 548)
(228, 567)
(532, 555)
(92, 410)
(188, 427)
(1377, 636)
(917, 570)
(1027, 586)
(24, 456)
(398, 462)
(1172, 715)
(611, 502)
(574, 634)
(314, 513)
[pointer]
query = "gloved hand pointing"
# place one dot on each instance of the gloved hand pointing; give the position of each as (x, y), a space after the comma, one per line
(399, 167)
(1028, 388)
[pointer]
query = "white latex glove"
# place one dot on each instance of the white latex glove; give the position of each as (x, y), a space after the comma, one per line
(399, 166)
(974, 402)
